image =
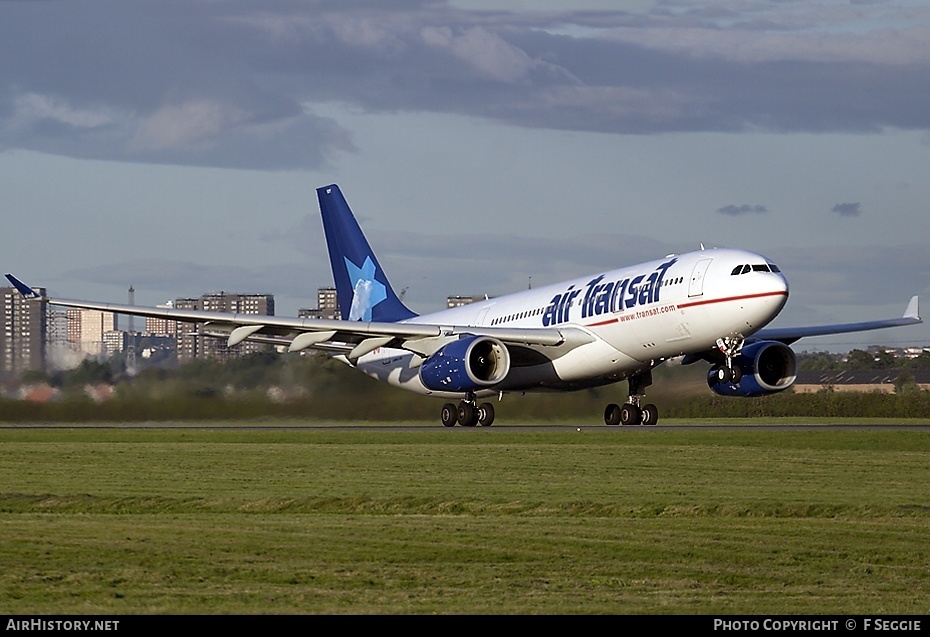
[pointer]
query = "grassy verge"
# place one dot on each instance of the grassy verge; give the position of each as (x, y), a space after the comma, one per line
(464, 521)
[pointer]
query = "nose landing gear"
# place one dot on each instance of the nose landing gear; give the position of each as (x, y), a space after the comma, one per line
(728, 373)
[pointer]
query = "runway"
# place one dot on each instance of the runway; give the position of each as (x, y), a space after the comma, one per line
(374, 427)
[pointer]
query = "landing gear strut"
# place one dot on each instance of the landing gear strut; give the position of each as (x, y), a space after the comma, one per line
(728, 373)
(633, 412)
(468, 414)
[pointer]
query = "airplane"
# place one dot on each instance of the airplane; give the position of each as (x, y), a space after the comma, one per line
(709, 305)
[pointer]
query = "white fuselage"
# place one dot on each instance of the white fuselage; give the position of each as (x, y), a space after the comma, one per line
(632, 318)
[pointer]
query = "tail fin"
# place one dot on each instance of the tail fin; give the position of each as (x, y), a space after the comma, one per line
(363, 290)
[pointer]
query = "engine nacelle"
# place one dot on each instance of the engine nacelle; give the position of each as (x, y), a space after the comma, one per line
(470, 363)
(767, 367)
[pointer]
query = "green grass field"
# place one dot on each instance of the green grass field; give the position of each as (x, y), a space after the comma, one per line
(510, 521)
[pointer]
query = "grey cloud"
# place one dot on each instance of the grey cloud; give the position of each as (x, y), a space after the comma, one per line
(232, 84)
(848, 209)
(734, 210)
(196, 132)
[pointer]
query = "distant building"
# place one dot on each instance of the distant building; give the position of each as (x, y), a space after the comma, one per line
(157, 326)
(459, 301)
(57, 321)
(114, 341)
(191, 345)
(89, 332)
(23, 337)
(327, 306)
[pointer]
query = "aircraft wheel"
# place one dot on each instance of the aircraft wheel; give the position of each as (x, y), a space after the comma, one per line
(650, 415)
(612, 414)
(485, 414)
(728, 374)
(448, 415)
(468, 415)
(630, 414)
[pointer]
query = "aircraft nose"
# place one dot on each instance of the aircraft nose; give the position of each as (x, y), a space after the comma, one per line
(775, 298)
(765, 300)
(784, 284)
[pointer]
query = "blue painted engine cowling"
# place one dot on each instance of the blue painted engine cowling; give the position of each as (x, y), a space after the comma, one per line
(768, 367)
(470, 363)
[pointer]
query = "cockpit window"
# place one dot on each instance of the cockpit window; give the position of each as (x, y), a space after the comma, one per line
(756, 267)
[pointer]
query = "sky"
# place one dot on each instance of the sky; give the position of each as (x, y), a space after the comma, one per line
(175, 146)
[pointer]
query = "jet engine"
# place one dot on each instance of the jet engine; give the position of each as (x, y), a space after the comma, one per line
(468, 364)
(767, 367)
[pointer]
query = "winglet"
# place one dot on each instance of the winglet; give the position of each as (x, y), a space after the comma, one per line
(912, 311)
(24, 289)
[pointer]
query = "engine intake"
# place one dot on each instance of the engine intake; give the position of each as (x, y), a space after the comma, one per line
(470, 363)
(767, 367)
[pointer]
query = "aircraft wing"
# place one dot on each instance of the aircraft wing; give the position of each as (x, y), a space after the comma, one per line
(353, 338)
(789, 335)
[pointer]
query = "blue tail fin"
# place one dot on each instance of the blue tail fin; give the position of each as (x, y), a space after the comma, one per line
(363, 290)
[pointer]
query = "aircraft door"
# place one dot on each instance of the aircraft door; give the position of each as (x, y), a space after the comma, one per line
(696, 288)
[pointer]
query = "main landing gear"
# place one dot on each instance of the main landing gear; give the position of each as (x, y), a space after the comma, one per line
(633, 412)
(468, 414)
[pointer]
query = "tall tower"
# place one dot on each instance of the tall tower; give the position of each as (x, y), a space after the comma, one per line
(131, 337)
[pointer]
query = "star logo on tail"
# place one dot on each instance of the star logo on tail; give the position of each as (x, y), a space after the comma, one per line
(366, 291)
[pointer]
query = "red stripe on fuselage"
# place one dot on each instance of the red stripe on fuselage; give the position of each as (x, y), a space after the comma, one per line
(682, 306)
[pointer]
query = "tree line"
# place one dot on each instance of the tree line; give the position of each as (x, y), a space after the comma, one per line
(861, 360)
(268, 385)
